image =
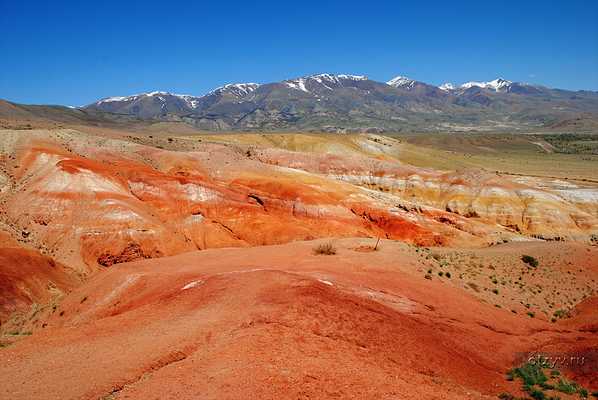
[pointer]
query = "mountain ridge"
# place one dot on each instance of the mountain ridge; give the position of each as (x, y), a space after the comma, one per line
(353, 103)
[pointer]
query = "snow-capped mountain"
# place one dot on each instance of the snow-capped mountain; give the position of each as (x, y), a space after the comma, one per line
(160, 96)
(498, 85)
(447, 87)
(402, 82)
(147, 105)
(416, 87)
(236, 89)
(356, 102)
(322, 81)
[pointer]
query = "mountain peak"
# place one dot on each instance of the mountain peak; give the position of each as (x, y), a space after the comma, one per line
(336, 77)
(401, 81)
(498, 84)
(237, 89)
(446, 86)
(159, 94)
(322, 80)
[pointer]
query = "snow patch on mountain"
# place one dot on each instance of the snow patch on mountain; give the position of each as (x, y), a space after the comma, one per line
(117, 98)
(498, 85)
(325, 80)
(298, 84)
(353, 77)
(446, 86)
(237, 89)
(402, 82)
(191, 101)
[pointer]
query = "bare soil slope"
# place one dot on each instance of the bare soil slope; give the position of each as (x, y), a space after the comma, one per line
(278, 322)
(105, 293)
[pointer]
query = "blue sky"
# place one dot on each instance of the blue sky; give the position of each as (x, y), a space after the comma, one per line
(74, 52)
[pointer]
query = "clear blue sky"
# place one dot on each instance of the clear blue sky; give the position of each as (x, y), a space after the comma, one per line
(74, 52)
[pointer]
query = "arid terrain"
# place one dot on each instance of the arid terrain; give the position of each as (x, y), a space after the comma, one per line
(158, 262)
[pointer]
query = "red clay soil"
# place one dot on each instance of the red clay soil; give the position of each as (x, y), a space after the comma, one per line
(279, 322)
(159, 319)
(28, 277)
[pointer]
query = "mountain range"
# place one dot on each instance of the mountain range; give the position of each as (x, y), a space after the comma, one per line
(329, 102)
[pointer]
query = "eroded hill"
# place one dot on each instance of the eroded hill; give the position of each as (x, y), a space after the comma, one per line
(185, 266)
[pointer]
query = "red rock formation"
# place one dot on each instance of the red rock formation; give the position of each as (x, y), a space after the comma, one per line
(93, 202)
(99, 206)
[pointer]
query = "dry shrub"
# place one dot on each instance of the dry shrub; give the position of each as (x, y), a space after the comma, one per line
(325, 248)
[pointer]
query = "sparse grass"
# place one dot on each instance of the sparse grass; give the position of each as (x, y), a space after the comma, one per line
(517, 155)
(327, 249)
(19, 333)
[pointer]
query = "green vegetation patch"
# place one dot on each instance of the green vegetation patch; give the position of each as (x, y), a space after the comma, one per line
(572, 143)
(539, 384)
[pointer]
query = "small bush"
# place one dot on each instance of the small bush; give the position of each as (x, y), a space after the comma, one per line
(448, 275)
(537, 394)
(529, 260)
(326, 249)
(530, 374)
(495, 291)
(561, 314)
(547, 386)
(566, 386)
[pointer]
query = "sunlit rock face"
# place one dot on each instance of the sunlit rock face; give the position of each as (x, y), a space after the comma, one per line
(90, 201)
